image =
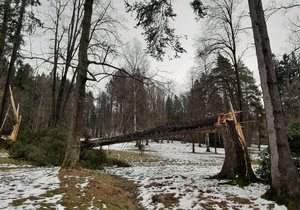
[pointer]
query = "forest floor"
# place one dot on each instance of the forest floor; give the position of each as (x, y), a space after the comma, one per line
(166, 176)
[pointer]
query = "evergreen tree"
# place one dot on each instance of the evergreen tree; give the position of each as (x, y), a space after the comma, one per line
(177, 109)
(288, 77)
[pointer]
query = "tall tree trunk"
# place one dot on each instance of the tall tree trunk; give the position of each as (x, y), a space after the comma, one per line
(3, 34)
(207, 142)
(68, 94)
(13, 58)
(236, 71)
(285, 178)
(239, 89)
(73, 149)
(54, 70)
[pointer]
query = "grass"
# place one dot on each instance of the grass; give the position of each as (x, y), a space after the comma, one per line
(167, 199)
(131, 157)
(3, 150)
(255, 162)
(101, 191)
(9, 161)
(84, 189)
(6, 160)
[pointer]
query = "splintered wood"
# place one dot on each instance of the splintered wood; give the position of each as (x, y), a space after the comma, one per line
(16, 111)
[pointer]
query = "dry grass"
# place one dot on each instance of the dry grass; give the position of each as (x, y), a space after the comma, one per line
(131, 157)
(255, 162)
(210, 201)
(167, 199)
(3, 150)
(239, 200)
(84, 189)
(101, 191)
(6, 160)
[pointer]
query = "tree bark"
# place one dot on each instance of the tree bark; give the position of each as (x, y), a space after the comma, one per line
(3, 35)
(73, 149)
(207, 142)
(54, 70)
(285, 178)
(237, 165)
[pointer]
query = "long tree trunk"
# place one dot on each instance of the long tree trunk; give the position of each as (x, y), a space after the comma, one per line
(73, 149)
(13, 58)
(285, 178)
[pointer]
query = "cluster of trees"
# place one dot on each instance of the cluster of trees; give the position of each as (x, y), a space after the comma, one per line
(127, 105)
(84, 42)
(288, 76)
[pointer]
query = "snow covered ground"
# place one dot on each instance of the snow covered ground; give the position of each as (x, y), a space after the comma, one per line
(180, 180)
(27, 184)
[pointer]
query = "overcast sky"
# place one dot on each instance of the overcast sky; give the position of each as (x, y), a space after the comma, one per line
(186, 24)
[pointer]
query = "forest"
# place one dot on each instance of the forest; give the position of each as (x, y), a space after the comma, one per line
(70, 78)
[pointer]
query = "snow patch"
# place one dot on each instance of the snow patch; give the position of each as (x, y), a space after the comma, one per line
(186, 176)
(22, 183)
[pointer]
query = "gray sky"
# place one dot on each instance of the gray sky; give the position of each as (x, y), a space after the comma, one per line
(186, 24)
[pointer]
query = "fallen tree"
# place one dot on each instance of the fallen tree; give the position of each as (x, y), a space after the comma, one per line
(207, 125)
(237, 165)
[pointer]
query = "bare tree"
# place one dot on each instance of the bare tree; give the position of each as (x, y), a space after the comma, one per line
(89, 54)
(223, 32)
(58, 36)
(137, 64)
(73, 149)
